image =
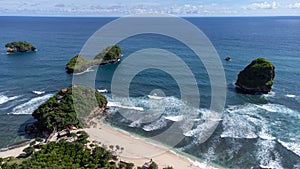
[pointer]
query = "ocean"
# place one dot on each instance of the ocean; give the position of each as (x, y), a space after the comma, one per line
(256, 131)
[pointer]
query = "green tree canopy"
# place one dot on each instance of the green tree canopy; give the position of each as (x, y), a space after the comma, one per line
(59, 111)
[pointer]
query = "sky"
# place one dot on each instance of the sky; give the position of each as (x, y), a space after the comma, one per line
(132, 7)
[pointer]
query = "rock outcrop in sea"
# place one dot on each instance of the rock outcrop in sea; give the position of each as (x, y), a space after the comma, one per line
(257, 77)
(80, 64)
(21, 46)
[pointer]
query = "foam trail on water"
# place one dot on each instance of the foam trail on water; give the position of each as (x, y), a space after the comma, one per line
(118, 104)
(155, 97)
(4, 99)
(31, 105)
(38, 92)
(290, 95)
(174, 118)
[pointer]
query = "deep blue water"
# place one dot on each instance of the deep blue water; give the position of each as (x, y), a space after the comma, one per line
(255, 131)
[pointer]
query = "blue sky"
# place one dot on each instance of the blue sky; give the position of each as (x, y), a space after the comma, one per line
(131, 7)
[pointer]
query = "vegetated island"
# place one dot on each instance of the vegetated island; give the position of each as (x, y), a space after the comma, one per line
(257, 77)
(20, 46)
(61, 143)
(80, 64)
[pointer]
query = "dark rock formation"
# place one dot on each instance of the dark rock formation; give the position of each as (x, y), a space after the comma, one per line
(228, 58)
(20, 46)
(257, 77)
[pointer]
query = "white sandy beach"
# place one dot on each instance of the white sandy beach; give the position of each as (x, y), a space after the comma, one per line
(136, 150)
(139, 151)
(13, 152)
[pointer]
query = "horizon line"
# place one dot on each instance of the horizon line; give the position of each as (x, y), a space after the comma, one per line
(120, 16)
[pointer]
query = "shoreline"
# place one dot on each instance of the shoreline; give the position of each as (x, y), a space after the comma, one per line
(139, 151)
(14, 151)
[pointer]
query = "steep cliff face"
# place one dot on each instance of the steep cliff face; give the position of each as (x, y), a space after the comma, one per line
(257, 77)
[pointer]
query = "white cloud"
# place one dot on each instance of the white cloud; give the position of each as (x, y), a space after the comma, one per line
(186, 9)
(263, 5)
(294, 6)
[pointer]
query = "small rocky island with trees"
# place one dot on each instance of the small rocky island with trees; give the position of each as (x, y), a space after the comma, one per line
(257, 77)
(80, 64)
(20, 46)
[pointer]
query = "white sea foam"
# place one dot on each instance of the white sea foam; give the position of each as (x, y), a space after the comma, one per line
(290, 95)
(4, 99)
(266, 136)
(90, 69)
(174, 118)
(102, 90)
(158, 111)
(193, 132)
(118, 104)
(38, 92)
(246, 121)
(158, 124)
(237, 126)
(292, 146)
(136, 123)
(31, 105)
(264, 132)
(267, 156)
(155, 97)
(270, 94)
(277, 108)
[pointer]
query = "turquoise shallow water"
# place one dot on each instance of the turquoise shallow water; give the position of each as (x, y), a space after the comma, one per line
(255, 131)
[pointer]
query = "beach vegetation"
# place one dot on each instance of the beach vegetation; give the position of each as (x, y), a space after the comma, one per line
(153, 165)
(65, 154)
(168, 167)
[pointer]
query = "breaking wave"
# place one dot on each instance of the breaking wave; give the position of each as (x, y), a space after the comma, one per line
(102, 90)
(290, 95)
(294, 147)
(38, 92)
(159, 124)
(119, 105)
(4, 99)
(29, 106)
(267, 157)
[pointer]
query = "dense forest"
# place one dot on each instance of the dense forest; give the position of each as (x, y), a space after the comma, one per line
(68, 107)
